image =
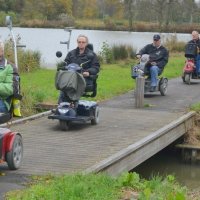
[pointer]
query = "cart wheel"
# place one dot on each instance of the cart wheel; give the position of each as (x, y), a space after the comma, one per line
(163, 86)
(187, 78)
(95, 120)
(64, 125)
(14, 157)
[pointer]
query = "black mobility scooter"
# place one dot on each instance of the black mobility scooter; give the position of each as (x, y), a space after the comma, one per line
(141, 69)
(73, 86)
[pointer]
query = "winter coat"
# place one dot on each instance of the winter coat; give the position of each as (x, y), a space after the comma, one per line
(92, 66)
(159, 55)
(9, 82)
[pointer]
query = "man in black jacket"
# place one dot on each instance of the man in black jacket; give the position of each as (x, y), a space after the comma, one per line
(83, 56)
(158, 58)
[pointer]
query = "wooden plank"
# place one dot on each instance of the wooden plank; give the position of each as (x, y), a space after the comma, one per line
(187, 146)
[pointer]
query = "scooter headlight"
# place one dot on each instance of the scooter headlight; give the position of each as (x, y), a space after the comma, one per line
(63, 111)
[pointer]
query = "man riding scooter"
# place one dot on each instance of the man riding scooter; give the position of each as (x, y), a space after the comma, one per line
(195, 40)
(76, 77)
(82, 54)
(158, 58)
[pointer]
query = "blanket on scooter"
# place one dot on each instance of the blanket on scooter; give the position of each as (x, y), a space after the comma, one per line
(71, 83)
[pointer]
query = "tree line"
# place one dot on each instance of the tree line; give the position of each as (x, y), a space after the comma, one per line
(162, 12)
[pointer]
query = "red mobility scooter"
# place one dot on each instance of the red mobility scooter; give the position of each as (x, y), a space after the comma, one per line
(11, 148)
(11, 144)
(191, 63)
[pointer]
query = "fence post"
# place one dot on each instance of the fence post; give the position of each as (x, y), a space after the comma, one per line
(139, 92)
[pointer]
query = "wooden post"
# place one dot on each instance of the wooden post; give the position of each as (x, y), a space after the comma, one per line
(139, 92)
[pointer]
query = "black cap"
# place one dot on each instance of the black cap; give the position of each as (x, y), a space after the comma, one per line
(156, 37)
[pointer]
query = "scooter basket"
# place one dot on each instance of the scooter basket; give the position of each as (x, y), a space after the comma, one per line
(190, 50)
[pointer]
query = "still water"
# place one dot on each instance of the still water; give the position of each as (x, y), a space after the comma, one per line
(169, 162)
(47, 41)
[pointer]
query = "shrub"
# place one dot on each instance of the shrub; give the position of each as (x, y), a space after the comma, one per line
(173, 45)
(121, 52)
(116, 52)
(106, 54)
(27, 60)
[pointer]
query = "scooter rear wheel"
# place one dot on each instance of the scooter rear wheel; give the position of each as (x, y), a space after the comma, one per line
(14, 157)
(64, 125)
(163, 86)
(95, 120)
(187, 78)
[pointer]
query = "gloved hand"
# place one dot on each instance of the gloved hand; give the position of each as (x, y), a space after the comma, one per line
(60, 66)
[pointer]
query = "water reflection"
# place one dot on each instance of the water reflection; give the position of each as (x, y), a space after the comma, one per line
(169, 162)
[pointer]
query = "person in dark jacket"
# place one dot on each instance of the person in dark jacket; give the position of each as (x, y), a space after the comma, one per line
(158, 58)
(83, 56)
(196, 40)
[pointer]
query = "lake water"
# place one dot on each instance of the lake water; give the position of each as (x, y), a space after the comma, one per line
(169, 162)
(47, 41)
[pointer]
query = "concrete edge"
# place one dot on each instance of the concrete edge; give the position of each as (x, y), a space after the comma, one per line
(133, 147)
(22, 120)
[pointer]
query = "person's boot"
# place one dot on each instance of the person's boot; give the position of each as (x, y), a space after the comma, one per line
(153, 89)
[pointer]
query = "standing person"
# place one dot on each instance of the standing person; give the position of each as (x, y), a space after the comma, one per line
(82, 54)
(158, 58)
(9, 82)
(196, 40)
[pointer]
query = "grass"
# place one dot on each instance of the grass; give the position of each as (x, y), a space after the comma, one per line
(100, 187)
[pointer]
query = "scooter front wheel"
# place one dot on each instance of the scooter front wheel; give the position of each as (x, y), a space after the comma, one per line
(64, 125)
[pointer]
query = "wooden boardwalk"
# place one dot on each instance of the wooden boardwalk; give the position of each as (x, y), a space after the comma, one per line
(48, 149)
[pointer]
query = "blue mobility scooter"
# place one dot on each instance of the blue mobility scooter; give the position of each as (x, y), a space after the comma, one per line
(141, 69)
(73, 86)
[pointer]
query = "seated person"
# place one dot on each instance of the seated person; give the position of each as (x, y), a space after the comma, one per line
(196, 40)
(82, 54)
(158, 56)
(9, 82)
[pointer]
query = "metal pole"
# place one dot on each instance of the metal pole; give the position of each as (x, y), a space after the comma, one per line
(15, 49)
(9, 24)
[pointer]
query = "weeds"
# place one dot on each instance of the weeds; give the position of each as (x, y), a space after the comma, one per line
(101, 187)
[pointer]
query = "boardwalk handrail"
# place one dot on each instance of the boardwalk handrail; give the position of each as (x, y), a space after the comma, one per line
(135, 154)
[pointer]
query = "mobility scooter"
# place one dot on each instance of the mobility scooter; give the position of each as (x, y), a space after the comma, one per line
(141, 70)
(73, 86)
(189, 69)
(11, 144)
